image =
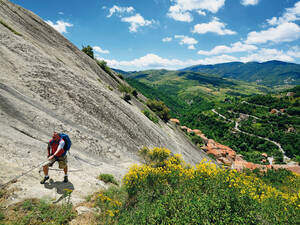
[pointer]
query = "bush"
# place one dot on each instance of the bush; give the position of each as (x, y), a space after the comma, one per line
(197, 140)
(88, 50)
(127, 97)
(108, 178)
(166, 190)
(121, 76)
(160, 109)
(125, 88)
(150, 115)
(135, 93)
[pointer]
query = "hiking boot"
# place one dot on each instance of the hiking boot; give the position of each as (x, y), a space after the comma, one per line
(44, 180)
(66, 179)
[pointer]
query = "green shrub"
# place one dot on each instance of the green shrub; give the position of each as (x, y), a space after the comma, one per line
(104, 66)
(88, 50)
(108, 178)
(134, 93)
(160, 109)
(150, 115)
(197, 140)
(125, 88)
(121, 76)
(168, 191)
(127, 97)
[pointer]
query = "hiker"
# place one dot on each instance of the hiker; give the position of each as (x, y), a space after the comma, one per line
(57, 149)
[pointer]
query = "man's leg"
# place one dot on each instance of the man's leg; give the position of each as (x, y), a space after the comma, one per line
(46, 170)
(66, 174)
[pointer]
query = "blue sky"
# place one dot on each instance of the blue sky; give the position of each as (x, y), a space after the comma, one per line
(173, 34)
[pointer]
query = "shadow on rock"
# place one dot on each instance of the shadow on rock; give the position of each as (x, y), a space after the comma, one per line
(62, 188)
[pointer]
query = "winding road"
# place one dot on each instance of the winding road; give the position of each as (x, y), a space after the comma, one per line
(236, 127)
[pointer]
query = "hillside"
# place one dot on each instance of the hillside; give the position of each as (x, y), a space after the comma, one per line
(48, 84)
(218, 107)
(268, 73)
(183, 91)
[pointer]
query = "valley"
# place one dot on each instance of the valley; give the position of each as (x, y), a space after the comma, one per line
(249, 118)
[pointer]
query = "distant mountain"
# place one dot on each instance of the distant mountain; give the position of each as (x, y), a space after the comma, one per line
(268, 73)
(183, 90)
(122, 72)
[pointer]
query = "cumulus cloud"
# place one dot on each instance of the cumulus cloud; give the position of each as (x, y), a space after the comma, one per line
(152, 61)
(185, 40)
(181, 10)
(290, 15)
(235, 47)
(120, 10)
(285, 32)
(100, 50)
(167, 39)
(215, 26)
(294, 52)
(266, 55)
(60, 25)
(136, 22)
(249, 2)
(178, 14)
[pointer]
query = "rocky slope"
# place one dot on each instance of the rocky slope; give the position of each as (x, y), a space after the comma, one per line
(47, 84)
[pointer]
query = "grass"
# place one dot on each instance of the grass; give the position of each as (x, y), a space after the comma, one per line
(151, 116)
(108, 178)
(8, 27)
(36, 212)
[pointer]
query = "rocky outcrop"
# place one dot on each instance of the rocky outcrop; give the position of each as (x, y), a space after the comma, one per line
(47, 84)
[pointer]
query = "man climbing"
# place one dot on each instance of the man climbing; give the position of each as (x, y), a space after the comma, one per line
(57, 149)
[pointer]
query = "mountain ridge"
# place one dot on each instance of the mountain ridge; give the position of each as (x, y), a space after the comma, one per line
(268, 73)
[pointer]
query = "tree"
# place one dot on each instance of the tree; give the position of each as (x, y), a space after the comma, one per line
(88, 50)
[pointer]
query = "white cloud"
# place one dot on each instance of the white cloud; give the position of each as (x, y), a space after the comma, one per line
(178, 14)
(185, 40)
(266, 55)
(285, 32)
(249, 2)
(61, 13)
(182, 9)
(167, 39)
(215, 26)
(152, 61)
(136, 22)
(294, 52)
(235, 47)
(120, 10)
(100, 50)
(60, 25)
(290, 15)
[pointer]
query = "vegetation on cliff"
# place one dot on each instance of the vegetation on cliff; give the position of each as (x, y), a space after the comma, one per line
(166, 190)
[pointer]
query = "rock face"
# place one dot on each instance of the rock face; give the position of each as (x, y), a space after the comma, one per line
(48, 84)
